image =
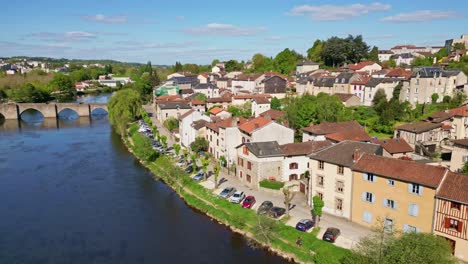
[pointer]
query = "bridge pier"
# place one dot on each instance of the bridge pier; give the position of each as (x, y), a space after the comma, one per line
(50, 110)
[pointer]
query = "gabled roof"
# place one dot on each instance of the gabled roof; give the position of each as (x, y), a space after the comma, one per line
(439, 116)
(354, 134)
(264, 149)
(199, 124)
(360, 65)
(461, 142)
(197, 102)
(248, 77)
(261, 100)
(186, 114)
(373, 82)
(419, 127)
(304, 148)
(344, 75)
(454, 188)
(393, 146)
(231, 122)
(174, 105)
(332, 127)
(407, 171)
(460, 111)
(398, 73)
(223, 99)
(205, 86)
(251, 96)
(254, 124)
(215, 110)
(344, 97)
(273, 114)
(343, 153)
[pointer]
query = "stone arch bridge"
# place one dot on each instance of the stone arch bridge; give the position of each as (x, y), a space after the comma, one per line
(48, 110)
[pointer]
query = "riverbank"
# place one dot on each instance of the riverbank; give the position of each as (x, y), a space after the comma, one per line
(270, 234)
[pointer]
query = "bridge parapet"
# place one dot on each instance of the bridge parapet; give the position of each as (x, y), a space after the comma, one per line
(48, 110)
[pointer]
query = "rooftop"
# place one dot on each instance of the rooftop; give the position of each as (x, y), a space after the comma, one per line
(216, 110)
(264, 149)
(254, 124)
(304, 148)
(343, 152)
(394, 146)
(355, 134)
(454, 188)
(461, 142)
(332, 127)
(174, 105)
(419, 127)
(360, 65)
(273, 114)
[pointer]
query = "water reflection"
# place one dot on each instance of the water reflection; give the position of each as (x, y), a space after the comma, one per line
(68, 114)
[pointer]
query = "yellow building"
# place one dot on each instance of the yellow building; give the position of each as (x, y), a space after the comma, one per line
(398, 193)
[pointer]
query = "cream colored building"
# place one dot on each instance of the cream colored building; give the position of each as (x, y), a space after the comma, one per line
(397, 193)
(165, 110)
(373, 85)
(260, 105)
(426, 133)
(306, 66)
(460, 122)
(331, 177)
(459, 154)
(223, 137)
(262, 129)
(187, 131)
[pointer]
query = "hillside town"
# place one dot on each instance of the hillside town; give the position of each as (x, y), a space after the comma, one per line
(412, 180)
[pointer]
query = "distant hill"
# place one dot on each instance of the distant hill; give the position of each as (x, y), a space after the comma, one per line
(78, 61)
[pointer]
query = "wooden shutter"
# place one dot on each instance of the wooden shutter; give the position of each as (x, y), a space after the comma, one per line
(415, 209)
(447, 222)
(410, 187)
(384, 202)
(373, 198)
(364, 196)
(460, 226)
(420, 190)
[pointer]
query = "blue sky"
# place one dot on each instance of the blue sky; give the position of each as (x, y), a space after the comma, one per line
(200, 31)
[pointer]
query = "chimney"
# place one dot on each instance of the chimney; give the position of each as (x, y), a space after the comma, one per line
(257, 125)
(356, 155)
(234, 121)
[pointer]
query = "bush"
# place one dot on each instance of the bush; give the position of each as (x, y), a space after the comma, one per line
(143, 148)
(275, 185)
(171, 123)
(200, 144)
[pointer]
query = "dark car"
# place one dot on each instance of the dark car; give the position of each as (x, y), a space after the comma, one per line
(331, 234)
(264, 207)
(199, 176)
(276, 212)
(248, 202)
(189, 169)
(304, 225)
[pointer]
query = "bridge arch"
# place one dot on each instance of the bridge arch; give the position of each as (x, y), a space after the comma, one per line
(67, 113)
(31, 115)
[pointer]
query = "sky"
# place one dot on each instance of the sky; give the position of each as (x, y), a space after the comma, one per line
(164, 32)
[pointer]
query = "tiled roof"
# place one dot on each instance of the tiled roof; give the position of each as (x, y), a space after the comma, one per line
(454, 188)
(343, 152)
(186, 114)
(419, 127)
(439, 116)
(462, 142)
(251, 96)
(261, 100)
(460, 111)
(328, 128)
(199, 124)
(394, 146)
(219, 100)
(360, 65)
(248, 77)
(228, 122)
(408, 171)
(197, 102)
(215, 110)
(254, 124)
(174, 105)
(398, 73)
(273, 114)
(304, 148)
(264, 149)
(355, 134)
(166, 98)
(344, 96)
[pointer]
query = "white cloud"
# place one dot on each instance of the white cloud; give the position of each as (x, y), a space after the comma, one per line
(180, 18)
(130, 45)
(70, 36)
(420, 16)
(106, 19)
(337, 12)
(217, 29)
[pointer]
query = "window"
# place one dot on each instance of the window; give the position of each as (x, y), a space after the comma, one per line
(320, 181)
(413, 209)
(340, 186)
(369, 177)
(249, 179)
(388, 225)
(245, 150)
(453, 224)
(321, 164)
(455, 205)
(367, 217)
(217, 142)
(320, 195)
(409, 228)
(340, 170)
(293, 166)
(240, 174)
(391, 182)
(293, 177)
(339, 204)
(389, 203)
(368, 197)
(249, 165)
(415, 188)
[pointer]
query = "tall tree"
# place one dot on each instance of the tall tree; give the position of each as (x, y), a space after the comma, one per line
(314, 53)
(214, 62)
(374, 54)
(288, 196)
(177, 67)
(275, 103)
(124, 107)
(317, 209)
(357, 49)
(285, 61)
(205, 162)
(176, 149)
(62, 83)
(216, 170)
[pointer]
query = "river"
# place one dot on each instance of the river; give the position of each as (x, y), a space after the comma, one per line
(70, 192)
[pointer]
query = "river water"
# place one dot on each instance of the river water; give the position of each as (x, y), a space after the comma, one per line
(70, 192)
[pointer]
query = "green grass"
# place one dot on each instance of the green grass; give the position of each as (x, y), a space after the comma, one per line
(275, 185)
(380, 135)
(284, 237)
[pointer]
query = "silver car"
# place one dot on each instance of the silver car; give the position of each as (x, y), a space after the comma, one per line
(227, 192)
(237, 197)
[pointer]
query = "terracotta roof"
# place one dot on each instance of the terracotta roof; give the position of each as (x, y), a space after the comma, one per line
(219, 100)
(248, 77)
(204, 74)
(166, 98)
(408, 171)
(363, 80)
(462, 142)
(439, 116)
(215, 110)
(446, 127)
(419, 127)
(454, 187)
(394, 146)
(460, 111)
(213, 127)
(261, 100)
(344, 96)
(186, 114)
(273, 114)
(251, 96)
(197, 102)
(228, 122)
(398, 73)
(360, 65)
(329, 128)
(355, 134)
(343, 152)
(304, 148)
(254, 124)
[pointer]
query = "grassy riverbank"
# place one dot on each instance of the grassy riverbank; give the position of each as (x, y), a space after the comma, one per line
(279, 237)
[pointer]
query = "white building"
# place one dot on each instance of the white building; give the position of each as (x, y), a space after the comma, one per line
(186, 130)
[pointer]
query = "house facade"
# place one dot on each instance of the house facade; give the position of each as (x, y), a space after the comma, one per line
(165, 110)
(459, 154)
(421, 132)
(187, 131)
(397, 193)
(260, 105)
(262, 129)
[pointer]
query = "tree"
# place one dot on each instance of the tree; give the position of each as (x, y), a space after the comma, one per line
(374, 54)
(233, 65)
(214, 62)
(200, 144)
(275, 103)
(264, 228)
(205, 162)
(317, 209)
(201, 97)
(124, 107)
(379, 96)
(285, 61)
(171, 123)
(143, 149)
(391, 63)
(185, 153)
(62, 83)
(28, 93)
(177, 67)
(458, 46)
(464, 169)
(216, 170)
(314, 53)
(244, 110)
(434, 98)
(337, 51)
(193, 157)
(164, 141)
(3, 96)
(288, 196)
(176, 149)
(422, 61)
(222, 161)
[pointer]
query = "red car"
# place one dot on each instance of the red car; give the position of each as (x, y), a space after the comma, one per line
(248, 202)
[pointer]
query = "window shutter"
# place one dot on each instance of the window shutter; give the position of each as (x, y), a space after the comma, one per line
(405, 228)
(410, 187)
(384, 203)
(460, 226)
(364, 196)
(421, 189)
(410, 209)
(373, 198)
(447, 222)
(364, 176)
(395, 204)
(415, 209)
(374, 178)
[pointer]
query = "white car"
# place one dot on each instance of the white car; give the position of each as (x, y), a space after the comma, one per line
(237, 197)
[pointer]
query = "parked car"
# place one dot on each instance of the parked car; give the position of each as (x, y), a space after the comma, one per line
(237, 197)
(248, 202)
(264, 207)
(276, 212)
(189, 169)
(227, 192)
(331, 234)
(199, 176)
(304, 225)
